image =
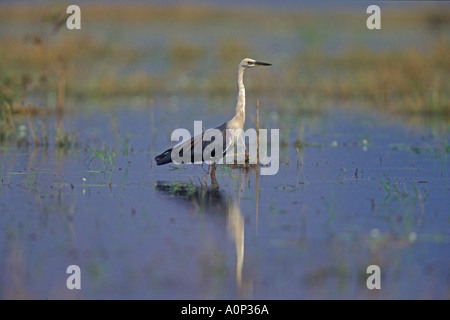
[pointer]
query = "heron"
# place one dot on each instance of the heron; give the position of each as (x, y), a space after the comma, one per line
(237, 122)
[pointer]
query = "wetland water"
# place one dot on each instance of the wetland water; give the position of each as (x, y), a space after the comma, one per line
(359, 190)
(355, 187)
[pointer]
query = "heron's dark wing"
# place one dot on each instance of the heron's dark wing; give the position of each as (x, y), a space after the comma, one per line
(215, 149)
(204, 140)
(186, 146)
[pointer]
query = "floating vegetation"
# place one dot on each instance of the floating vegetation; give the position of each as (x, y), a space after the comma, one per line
(178, 189)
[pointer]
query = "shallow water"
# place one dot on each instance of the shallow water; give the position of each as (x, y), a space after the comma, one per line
(361, 190)
(354, 189)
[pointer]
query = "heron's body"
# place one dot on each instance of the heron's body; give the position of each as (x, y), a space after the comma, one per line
(237, 122)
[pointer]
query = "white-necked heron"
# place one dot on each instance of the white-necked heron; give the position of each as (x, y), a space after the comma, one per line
(237, 122)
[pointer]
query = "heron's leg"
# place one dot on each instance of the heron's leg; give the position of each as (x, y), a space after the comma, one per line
(246, 154)
(213, 174)
(213, 168)
(239, 141)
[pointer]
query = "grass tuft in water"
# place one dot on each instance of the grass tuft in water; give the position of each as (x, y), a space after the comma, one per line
(106, 156)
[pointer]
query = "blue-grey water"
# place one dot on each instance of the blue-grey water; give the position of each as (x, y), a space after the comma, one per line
(355, 187)
(361, 190)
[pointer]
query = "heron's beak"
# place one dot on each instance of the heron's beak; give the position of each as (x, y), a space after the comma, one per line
(259, 63)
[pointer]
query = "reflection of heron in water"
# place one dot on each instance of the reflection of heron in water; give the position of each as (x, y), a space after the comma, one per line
(214, 200)
(236, 229)
(237, 122)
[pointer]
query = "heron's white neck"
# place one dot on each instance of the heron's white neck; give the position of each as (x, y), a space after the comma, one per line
(240, 105)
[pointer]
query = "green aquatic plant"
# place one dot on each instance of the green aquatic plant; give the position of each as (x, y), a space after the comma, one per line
(385, 185)
(124, 143)
(106, 156)
(31, 182)
(186, 189)
(178, 188)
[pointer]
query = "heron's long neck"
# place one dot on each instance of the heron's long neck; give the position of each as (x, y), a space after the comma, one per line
(240, 105)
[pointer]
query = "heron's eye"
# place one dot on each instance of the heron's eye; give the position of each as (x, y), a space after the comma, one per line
(249, 63)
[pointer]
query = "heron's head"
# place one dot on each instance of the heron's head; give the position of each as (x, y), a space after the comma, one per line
(249, 63)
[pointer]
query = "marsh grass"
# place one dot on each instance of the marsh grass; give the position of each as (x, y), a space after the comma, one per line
(31, 182)
(52, 61)
(63, 139)
(385, 185)
(124, 144)
(105, 155)
(407, 193)
(178, 188)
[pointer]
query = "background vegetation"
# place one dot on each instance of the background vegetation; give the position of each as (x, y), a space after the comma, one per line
(149, 50)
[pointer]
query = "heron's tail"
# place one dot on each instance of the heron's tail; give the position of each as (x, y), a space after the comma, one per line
(164, 157)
